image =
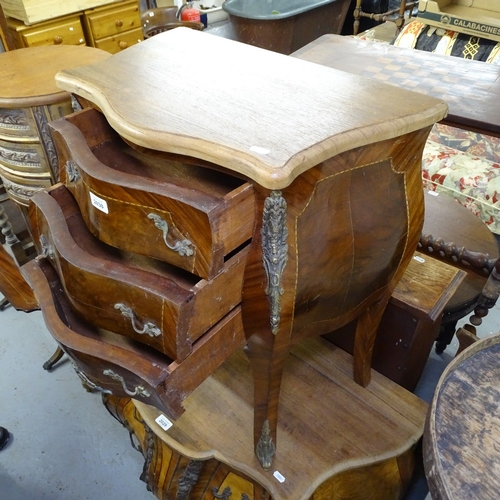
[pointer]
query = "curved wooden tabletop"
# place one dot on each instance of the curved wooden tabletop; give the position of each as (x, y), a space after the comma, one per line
(462, 434)
(28, 74)
(267, 116)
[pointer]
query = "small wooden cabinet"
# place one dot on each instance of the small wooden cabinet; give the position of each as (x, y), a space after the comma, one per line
(29, 100)
(113, 27)
(291, 207)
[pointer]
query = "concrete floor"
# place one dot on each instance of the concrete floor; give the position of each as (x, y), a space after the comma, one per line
(65, 445)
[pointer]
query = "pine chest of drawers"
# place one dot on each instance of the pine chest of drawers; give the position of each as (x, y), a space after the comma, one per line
(113, 27)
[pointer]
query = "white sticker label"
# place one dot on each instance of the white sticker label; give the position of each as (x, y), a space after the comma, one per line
(99, 203)
(419, 259)
(279, 476)
(259, 150)
(163, 422)
(433, 193)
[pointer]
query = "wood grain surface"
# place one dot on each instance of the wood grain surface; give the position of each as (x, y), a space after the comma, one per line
(462, 434)
(470, 88)
(265, 115)
(17, 67)
(327, 425)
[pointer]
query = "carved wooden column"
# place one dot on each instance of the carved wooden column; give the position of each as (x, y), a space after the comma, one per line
(29, 100)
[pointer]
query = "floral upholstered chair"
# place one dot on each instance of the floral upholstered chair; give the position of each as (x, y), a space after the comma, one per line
(462, 164)
(466, 166)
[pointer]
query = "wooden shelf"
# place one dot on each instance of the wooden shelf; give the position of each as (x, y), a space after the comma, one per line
(328, 425)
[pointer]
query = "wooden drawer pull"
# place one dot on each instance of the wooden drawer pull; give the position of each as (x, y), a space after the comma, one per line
(118, 23)
(182, 247)
(123, 45)
(58, 40)
(138, 390)
(148, 328)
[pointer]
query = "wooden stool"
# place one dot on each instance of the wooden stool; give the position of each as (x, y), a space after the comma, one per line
(455, 230)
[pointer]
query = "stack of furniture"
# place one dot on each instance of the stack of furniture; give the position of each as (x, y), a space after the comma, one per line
(179, 235)
(106, 24)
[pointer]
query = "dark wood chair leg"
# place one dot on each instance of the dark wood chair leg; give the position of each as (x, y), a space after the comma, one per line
(49, 364)
(446, 333)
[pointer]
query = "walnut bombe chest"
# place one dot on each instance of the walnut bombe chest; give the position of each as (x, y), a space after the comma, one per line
(246, 198)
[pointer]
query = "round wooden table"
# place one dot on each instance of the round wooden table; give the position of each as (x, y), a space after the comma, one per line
(462, 433)
(453, 223)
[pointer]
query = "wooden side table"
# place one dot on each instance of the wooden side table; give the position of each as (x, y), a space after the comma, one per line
(328, 245)
(340, 446)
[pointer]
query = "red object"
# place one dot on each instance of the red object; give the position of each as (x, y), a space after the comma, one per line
(190, 14)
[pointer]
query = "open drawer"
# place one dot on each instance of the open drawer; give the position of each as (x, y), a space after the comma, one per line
(155, 204)
(116, 365)
(138, 297)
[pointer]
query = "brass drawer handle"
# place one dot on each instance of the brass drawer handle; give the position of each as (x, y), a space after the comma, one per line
(58, 40)
(72, 171)
(138, 390)
(47, 251)
(148, 328)
(182, 247)
(88, 384)
(118, 23)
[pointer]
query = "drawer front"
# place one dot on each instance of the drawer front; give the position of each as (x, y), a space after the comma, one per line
(110, 364)
(21, 189)
(17, 124)
(118, 20)
(27, 158)
(181, 215)
(69, 32)
(154, 309)
(121, 41)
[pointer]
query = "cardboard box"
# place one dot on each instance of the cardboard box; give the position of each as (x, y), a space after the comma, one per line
(34, 11)
(479, 18)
